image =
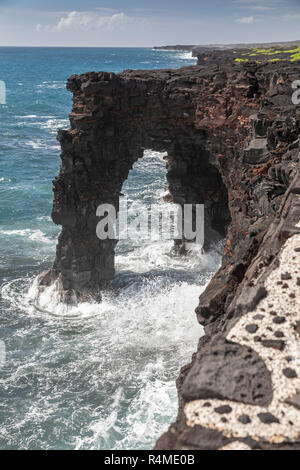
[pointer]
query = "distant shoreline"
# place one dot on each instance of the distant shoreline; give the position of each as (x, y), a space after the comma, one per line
(202, 48)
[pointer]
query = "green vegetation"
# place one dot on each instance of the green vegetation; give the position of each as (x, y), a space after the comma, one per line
(296, 55)
(275, 60)
(291, 55)
(263, 51)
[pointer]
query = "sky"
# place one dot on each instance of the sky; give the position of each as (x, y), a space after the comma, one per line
(140, 23)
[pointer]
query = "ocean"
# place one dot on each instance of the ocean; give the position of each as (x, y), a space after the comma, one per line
(96, 376)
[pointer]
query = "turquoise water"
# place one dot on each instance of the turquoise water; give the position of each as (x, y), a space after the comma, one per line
(100, 376)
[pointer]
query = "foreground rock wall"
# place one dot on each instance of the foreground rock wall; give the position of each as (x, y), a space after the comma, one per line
(232, 137)
(242, 389)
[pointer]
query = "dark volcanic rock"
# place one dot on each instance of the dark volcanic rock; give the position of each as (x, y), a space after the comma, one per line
(294, 400)
(289, 373)
(273, 343)
(279, 320)
(231, 133)
(252, 328)
(244, 377)
(244, 419)
(267, 418)
(203, 439)
(223, 410)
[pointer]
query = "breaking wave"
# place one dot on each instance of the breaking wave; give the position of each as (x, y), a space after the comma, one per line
(93, 375)
(128, 348)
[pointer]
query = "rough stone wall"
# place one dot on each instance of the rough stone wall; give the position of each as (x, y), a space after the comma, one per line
(242, 388)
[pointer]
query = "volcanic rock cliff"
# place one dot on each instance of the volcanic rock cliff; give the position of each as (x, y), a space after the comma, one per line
(231, 132)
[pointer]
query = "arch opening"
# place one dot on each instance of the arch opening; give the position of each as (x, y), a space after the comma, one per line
(151, 195)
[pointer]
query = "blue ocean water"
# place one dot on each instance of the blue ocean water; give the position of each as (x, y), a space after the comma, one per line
(101, 376)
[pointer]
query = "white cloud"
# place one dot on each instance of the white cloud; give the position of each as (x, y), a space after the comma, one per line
(85, 21)
(290, 17)
(263, 3)
(246, 20)
(260, 8)
(105, 9)
(258, 5)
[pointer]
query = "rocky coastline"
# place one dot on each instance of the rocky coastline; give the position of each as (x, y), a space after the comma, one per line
(200, 49)
(231, 131)
(174, 48)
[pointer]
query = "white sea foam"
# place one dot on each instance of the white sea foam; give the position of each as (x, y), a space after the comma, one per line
(50, 124)
(35, 144)
(186, 56)
(44, 217)
(21, 233)
(38, 235)
(133, 342)
(54, 124)
(54, 85)
(40, 144)
(128, 348)
(35, 235)
(29, 116)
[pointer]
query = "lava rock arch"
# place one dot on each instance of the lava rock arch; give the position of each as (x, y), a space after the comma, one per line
(218, 127)
(113, 120)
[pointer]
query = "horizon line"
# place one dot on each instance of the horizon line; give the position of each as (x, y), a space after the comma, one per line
(152, 46)
(86, 47)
